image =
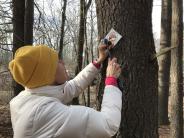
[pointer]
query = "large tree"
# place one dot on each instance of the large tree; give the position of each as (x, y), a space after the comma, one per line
(18, 32)
(177, 70)
(133, 20)
(23, 17)
(164, 63)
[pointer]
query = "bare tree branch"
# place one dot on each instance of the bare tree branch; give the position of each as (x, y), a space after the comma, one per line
(5, 23)
(5, 49)
(4, 72)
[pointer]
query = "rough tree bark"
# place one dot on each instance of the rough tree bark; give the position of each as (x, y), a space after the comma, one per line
(132, 19)
(164, 63)
(177, 70)
(18, 32)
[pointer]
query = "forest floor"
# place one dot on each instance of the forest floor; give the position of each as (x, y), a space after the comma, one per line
(5, 121)
(6, 127)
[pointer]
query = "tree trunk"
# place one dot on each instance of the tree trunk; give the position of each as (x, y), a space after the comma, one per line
(80, 44)
(91, 36)
(177, 70)
(83, 13)
(28, 22)
(61, 43)
(132, 19)
(81, 37)
(164, 63)
(87, 62)
(18, 32)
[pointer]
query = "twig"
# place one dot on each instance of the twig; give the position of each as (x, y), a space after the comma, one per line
(162, 51)
(6, 23)
(6, 44)
(4, 72)
(5, 49)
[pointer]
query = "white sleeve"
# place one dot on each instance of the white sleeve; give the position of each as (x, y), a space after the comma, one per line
(75, 86)
(83, 121)
(111, 107)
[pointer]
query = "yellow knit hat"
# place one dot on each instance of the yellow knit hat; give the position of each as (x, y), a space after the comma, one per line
(34, 66)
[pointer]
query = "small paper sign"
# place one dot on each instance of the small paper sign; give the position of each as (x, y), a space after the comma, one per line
(113, 36)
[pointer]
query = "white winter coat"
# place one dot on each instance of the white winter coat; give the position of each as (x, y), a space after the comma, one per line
(42, 113)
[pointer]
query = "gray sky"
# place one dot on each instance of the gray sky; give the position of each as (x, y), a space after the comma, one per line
(156, 17)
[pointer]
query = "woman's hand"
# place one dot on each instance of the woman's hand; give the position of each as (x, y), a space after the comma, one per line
(102, 49)
(113, 68)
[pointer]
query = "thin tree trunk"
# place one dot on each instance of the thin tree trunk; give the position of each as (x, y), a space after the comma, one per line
(164, 63)
(80, 44)
(91, 38)
(87, 62)
(132, 19)
(61, 43)
(28, 22)
(88, 89)
(81, 37)
(177, 70)
(83, 13)
(18, 33)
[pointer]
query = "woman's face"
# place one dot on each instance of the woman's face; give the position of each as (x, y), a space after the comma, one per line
(61, 74)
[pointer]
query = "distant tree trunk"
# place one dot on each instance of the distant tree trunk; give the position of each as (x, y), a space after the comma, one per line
(83, 13)
(88, 89)
(91, 38)
(133, 20)
(177, 70)
(61, 43)
(87, 62)
(87, 5)
(18, 32)
(80, 44)
(164, 63)
(28, 22)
